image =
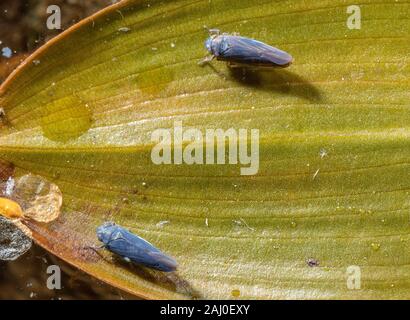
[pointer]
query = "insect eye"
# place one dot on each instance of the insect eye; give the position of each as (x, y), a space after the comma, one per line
(208, 44)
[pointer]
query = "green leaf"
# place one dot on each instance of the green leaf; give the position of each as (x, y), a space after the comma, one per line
(333, 182)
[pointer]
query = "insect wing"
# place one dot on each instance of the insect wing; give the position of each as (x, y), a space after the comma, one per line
(162, 261)
(249, 51)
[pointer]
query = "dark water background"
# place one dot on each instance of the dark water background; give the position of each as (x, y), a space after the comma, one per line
(26, 278)
(23, 29)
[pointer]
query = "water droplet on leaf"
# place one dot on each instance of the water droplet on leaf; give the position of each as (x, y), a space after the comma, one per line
(66, 119)
(236, 293)
(375, 246)
(40, 199)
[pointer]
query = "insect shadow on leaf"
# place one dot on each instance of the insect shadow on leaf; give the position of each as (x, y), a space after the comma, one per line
(275, 80)
(169, 280)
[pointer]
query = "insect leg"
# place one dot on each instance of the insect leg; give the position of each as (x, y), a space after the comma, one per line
(234, 65)
(97, 251)
(206, 60)
(95, 248)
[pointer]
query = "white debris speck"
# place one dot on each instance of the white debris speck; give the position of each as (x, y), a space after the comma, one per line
(154, 49)
(124, 29)
(206, 222)
(6, 52)
(322, 153)
(162, 223)
(36, 62)
(315, 174)
(9, 186)
(172, 45)
(242, 222)
(122, 16)
(357, 75)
